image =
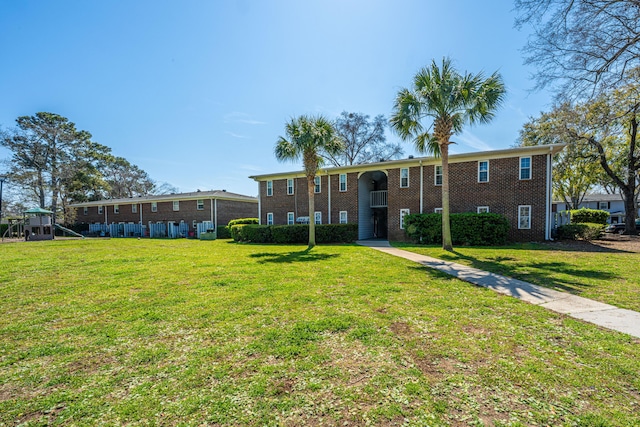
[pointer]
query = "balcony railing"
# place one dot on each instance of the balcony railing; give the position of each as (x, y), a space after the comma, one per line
(378, 199)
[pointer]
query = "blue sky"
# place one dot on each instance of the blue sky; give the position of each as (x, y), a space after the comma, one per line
(197, 92)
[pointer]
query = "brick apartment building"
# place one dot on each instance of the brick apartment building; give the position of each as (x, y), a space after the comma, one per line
(513, 182)
(217, 207)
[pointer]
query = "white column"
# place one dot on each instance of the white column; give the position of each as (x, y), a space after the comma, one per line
(547, 228)
(329, 197)
(259, 205)
(421, 187)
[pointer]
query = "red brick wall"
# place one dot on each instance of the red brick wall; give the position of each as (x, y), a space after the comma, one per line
(502, 194)
(401, 198)
(280, 202)
(226, 209)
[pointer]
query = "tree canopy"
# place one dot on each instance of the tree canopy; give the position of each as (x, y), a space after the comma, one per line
(364, 140)
(581, 47)
(56, 164)
(438, 105)
(305, 138)
(604, 131)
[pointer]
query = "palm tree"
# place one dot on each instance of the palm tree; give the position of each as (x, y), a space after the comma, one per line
(447, 101)
(306, 136)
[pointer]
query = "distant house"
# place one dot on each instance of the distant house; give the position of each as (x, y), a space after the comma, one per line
(514, 182)
(168, 213)
(611, 203)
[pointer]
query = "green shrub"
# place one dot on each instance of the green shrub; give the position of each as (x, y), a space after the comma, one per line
(223, 232)
(299, 233)
(580, 231)
(336, 233)
(589, 216)
(243, 221)
(467, 229)
(251, 233)
(290, 233)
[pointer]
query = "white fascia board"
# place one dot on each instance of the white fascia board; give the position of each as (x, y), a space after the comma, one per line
(425, 161)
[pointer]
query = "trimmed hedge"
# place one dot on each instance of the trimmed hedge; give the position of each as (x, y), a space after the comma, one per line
(223, 232)
(467, 229)
(243, 221)
(589, 216)
(580, 231)
(299, 233)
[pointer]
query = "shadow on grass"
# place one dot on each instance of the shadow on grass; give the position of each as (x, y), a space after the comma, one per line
(555, 275)
(558, 245)
(306, 255)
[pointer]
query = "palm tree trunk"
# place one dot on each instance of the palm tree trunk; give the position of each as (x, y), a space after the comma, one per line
(447, 244)
(311, 185)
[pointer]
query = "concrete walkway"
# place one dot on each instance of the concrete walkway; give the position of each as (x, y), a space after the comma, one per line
(601, 314)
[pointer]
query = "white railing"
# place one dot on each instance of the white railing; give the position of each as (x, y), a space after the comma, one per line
(378, 199)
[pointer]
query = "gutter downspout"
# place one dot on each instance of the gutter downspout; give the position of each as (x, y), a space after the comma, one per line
(328, 196)
(211, 210)
(421, 187)
(547, 230)
(215, 214)
(259, 205)
(106, 217)
(141, 214)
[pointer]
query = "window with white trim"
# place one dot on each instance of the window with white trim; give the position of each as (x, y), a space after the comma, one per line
(85, 210)
(437, 175)
(525, 167)
(134, 208)
(100, 209)
(270, 218)
(403, 213)
(269, 188)
(524, 217)
(290, 186)
(603, 206)
(176, 205)
(438, 211)
(343, 182)
(195, 224)
(290, 218)
(200, 204)
(116, 209)
(343, 217)
(154, 206)
(318, 184)
(404, 177)
(483, 209)
(318, 217)
(483, 171)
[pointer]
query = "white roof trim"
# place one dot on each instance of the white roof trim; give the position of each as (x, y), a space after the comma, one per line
(424, 161)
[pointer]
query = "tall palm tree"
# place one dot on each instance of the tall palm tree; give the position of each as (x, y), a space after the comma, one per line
(306, 136)
(440, 103)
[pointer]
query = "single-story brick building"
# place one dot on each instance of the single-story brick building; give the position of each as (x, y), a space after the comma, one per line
(512, 182)
(185, 210)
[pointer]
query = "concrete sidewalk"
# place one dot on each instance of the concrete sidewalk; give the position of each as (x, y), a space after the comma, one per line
(601, 314)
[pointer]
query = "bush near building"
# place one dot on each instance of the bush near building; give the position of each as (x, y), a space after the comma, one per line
(580, 231)
(589, 216)
(468, 229)
(299, 233)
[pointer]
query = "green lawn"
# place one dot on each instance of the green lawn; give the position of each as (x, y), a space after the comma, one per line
(612, 277)
(159, 332)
